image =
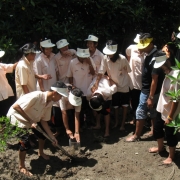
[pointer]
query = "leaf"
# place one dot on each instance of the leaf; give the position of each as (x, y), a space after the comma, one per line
(171, 77)
(177, 63)
(174, 68)
(32, 2)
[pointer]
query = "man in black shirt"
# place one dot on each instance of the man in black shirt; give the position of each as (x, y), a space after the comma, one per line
(151, 85)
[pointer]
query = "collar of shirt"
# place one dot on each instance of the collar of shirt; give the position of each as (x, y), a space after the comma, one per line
(108, 59)
(26, 60)
(77, 61)
(155, 48)
(95, 53)
(44, 56)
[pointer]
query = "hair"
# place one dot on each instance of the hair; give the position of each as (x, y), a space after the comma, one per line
(96, 101)
(172, 48)
(145, 35)
(22, 51)
(116, 55)
(77, 92)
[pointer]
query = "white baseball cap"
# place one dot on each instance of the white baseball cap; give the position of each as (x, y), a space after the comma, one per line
(2, 53)
(75, 97)
(47, 44)
(83, 53)
(160, 61)
(92, 38)
(110, 49)
(62, 43)
(60, 88)
(136, 39)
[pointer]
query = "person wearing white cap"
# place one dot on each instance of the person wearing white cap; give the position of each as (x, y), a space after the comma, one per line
(73, 101)
(100, 101)
(24, 73)
(95, 54)
(117, 68)
(167, 109)
(5, 89)
(62, 59)
(32, 109)
(80, 73)
(136, 62)
(45, 64)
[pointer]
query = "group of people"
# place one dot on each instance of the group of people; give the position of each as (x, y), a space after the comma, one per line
(86, 80)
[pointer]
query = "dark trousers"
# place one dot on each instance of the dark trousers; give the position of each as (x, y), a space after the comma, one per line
(160, 133)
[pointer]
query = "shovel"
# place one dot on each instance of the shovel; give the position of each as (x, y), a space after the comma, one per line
(60, 147)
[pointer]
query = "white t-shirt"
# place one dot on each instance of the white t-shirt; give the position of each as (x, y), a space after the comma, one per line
(136, 64)
(165, 102)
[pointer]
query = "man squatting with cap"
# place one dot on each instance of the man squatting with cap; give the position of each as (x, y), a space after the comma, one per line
(100, 100)
(32, 108)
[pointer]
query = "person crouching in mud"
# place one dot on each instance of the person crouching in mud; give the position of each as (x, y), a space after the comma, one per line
(31, 110)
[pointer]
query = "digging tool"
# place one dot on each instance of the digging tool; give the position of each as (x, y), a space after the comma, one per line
(60, 147)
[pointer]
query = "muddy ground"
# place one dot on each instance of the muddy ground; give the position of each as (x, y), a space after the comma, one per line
(113, 159)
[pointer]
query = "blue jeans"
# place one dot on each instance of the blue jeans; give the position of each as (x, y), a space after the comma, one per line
(142, 109)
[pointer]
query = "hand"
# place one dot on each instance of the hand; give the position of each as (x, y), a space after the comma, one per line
(55, 142)
(33, 125)
(167, 121)
(94, 88)
(69, 133)
(42, 89)
(46, 76)
(149, 103)
(77, 137)
(67, 53)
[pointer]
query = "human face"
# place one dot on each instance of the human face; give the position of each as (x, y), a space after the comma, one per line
(47, 51)
(91, 45)
(110, 56)
(65, 48)
(56, 96)
(31, 56)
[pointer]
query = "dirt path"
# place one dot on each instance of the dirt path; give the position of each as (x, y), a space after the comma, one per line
(115, 159)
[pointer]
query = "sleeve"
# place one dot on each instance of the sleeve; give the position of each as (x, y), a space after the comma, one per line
(103, 66)
(62, 103)
(128, 51)
(70, 73)
(38, 65)
(23, 75)
(7, 67)
(77, 108)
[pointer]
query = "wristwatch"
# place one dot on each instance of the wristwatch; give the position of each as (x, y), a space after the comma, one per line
(150, 97)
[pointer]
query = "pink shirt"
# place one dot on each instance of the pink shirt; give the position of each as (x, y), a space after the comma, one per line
(165, 102)
(81, 74)
(136, 64)
(44, 65)
(118, 72)
(5, 88)
(97, 58)
(104, 88)
(62, 65)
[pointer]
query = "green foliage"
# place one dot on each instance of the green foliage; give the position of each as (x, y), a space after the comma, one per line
(76, 19)
(175, 96)
(8, 132)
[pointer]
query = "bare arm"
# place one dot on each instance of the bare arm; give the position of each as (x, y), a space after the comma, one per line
(173, 109)
(14, 66)
(25, 89)
(44, 76)
(40, 82)
(95, 86)
(77, 135)
(48, 131)
(152, 90)
(22, 113)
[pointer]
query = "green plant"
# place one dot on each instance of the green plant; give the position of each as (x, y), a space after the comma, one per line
(175, 96)
(8, 132)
